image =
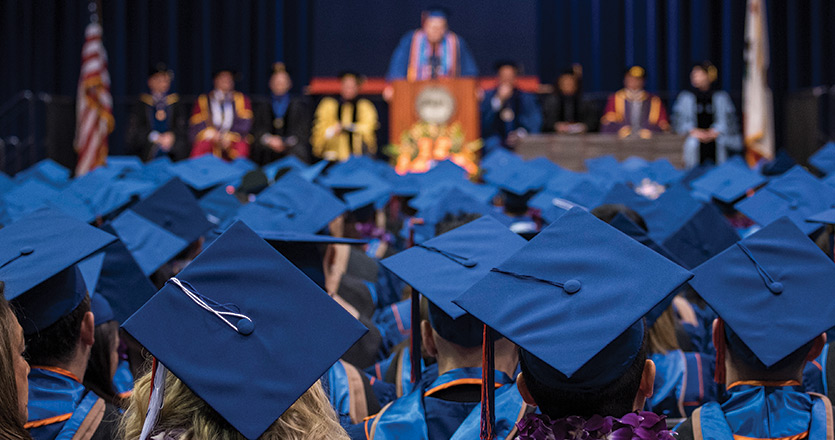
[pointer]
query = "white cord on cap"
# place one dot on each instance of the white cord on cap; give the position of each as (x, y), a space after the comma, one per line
(198, 299)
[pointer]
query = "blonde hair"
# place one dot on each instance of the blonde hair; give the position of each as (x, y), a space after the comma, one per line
(311, 417)
(662, 336)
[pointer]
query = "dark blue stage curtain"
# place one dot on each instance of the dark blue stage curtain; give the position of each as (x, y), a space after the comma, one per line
(41, 45)
(41, 41)
(669, 36)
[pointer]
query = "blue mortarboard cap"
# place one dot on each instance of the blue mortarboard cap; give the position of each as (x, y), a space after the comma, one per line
(376, 195)
(663, 172)
(160, 170)
(122, 281)
(622, 194)
(350, 180)
(701, 236)
(781, 163)
(429, 196)
(244, 164)
(313, 171)
(545, 165)
(28, 196)
(47, 171)
(304, 250)
(443, 171)
(562, 182)
(174, 208)
(826, 217)
(519, 178)
(624, 224)
(207, 171)
(824, 158)
(255, 358)
(294, 204)
(587, 194)
(150, 244)
(101, 309)
(121, 163)
(220, 204)
(727, 182)
(498, 159)
(670, 210)
(453, 202)
(39, 254)
(576, 268)
(90, 269)
(773, 290)
(795, 194)
(606, 167)
(285, 164)
(550, 205)
(444, 267)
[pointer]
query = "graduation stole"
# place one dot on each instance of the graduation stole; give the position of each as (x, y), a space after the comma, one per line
(420, 67)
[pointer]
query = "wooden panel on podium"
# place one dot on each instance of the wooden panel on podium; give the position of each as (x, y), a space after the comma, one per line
(403, 113)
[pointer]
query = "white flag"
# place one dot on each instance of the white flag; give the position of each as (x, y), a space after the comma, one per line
(757, 110)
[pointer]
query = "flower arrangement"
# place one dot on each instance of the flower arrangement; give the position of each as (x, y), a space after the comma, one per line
(425, 144)
(644, 425)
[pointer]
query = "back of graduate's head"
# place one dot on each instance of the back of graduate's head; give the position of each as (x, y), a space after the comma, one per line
(310, 417)
(741, 364)
(620, 387)
(57, 335)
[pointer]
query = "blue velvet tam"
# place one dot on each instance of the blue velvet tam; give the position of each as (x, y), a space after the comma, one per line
(773, 289)
(551, 296)
(795, 194)
(241, 324)
(727, 182)
(39, 254)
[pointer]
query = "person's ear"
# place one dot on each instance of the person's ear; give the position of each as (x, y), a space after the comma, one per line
(427, 335)
(647, 379)
(817, 347)
(88, 329)
(523, 390)
(646, 387)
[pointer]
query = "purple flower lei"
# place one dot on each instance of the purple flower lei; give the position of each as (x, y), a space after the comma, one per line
(644, 425)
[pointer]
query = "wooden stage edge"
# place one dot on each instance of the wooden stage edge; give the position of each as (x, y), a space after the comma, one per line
(571, 151)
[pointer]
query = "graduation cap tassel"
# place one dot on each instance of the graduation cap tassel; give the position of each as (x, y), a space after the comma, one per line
(415, 342)
(719, 342)
(488, 388)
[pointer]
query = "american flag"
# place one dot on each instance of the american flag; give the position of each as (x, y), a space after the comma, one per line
(94, 108)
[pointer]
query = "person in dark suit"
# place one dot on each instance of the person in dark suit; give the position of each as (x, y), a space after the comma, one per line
(158, 121)
(565, 111)
(282, 123)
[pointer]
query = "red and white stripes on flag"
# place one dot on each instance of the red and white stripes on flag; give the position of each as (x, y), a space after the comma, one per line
(757, 112)
(94, 108)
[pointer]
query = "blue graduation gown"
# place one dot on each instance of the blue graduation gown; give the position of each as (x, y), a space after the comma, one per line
(510, 408)
(683, 381)
(400, 58)
(763, 412)
(418, 415)
(402, 365)
(123, 380)
(395, 325)
(58, 404)
(814, 374)
(526, 114)
(340, 388)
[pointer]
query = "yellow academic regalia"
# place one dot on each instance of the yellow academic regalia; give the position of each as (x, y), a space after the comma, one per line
(344, 145)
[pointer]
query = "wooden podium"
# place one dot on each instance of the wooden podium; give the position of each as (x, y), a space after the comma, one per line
(416, 101)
